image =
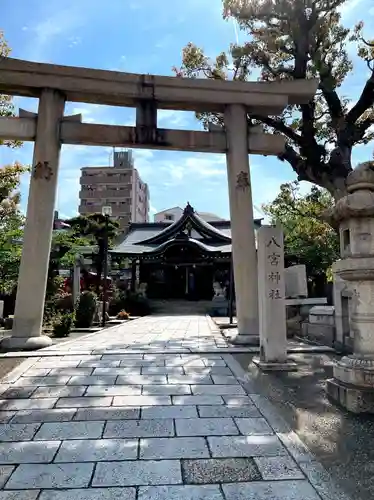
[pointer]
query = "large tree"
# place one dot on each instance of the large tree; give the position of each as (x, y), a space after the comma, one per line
(94, 227)
(308, 239)
(6, 101)
(11, 225)
(293, 40)
(11, 219)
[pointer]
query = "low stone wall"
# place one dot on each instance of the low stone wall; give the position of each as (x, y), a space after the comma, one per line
(320, 327)
(298, 312)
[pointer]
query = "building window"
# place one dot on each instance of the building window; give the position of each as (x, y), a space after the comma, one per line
(169, 217)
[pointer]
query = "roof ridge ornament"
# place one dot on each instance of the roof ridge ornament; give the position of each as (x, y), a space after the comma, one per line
(188, 209)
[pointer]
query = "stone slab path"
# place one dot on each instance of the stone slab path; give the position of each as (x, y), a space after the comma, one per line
(145, 415)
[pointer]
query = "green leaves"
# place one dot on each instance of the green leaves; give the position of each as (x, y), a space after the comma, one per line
(293, 40)
(6, 101)
(308, 239)
(11, 225)
(94, 227)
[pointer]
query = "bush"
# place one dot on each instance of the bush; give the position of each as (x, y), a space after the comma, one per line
(117, 303)
(123, 315)
(137, 305)
(65, 303)
(85, 310)
(8, 323)
(62, 327)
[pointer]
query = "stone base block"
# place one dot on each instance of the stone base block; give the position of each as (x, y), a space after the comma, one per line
(25, 343)
(355, 371)
(266, 366)
(239, 339)
(323, 334)
(352, 398)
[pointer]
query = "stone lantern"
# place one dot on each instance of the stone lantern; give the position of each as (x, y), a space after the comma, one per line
(353, 382)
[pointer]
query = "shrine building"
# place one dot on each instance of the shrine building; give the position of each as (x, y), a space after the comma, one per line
(178, 260)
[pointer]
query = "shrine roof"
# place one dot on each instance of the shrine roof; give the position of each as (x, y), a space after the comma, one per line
(154, 237)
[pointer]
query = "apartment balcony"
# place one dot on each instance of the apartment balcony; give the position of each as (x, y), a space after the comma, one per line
(122, 210)
(106, 194)
(105, 179)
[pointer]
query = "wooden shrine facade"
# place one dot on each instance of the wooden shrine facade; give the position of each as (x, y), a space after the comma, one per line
(179, 260)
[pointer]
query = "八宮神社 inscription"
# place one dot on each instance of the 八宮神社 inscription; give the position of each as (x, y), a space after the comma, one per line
(274, 277)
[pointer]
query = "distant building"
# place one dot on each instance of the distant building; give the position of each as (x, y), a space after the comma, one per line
(175, 213)
(118, 186)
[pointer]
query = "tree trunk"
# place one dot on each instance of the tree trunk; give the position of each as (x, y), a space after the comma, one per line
(99, 265)
(339, 188)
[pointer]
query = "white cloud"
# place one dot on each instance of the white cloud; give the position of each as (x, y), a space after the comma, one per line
(195, 166)
(90, 112)
(45, 32)
(169, 118)
(349, 7)
(74, 41)
(143, 154)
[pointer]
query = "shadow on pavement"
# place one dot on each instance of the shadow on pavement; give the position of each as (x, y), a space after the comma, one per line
(342, 442)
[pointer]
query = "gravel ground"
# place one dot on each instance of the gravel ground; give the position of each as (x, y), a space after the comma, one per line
(8, 364)
(342, 442)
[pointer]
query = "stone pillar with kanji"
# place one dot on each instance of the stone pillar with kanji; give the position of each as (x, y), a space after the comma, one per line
(272, 303)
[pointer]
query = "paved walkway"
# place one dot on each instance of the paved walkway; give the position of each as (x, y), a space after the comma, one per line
(146, 415)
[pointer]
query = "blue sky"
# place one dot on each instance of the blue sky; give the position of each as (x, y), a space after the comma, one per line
(144, 36)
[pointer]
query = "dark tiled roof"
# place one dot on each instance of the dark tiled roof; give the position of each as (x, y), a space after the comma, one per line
(154, 237)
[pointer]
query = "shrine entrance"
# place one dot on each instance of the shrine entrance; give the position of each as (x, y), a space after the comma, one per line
(53, 85)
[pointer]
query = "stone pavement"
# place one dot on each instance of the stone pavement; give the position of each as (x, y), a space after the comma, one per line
(154, 409)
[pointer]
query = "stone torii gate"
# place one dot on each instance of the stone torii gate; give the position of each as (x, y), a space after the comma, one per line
(49, 128)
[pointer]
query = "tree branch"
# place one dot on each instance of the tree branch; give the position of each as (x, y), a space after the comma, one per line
(296, 162)
(279, 125)
(307, 123)
(361, 128)
(332, 100)
(365, 101)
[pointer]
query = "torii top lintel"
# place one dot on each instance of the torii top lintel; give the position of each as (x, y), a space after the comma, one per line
(25, 78)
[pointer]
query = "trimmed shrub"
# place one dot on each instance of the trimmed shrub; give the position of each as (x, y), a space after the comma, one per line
(65, 303)
(137, 305)
(85, 310)
(8, 322)
(62, 327)
(117, 303)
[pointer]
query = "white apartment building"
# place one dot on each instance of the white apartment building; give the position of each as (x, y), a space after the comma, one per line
(175, 213)
(118, 186)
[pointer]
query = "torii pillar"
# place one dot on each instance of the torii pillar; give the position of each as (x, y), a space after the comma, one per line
(32, 282)
(244, 254)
